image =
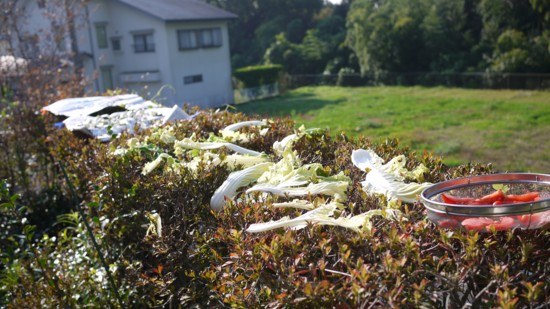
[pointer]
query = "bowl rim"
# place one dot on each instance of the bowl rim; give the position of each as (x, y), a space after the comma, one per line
(486, 210)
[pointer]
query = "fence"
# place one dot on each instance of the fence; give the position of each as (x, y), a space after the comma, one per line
(461, 80)
(256, 93)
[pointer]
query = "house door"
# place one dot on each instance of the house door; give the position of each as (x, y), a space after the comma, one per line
(107, 77)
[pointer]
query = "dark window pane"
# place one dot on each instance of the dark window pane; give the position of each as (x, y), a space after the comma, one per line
(191, 79)
(101, 33)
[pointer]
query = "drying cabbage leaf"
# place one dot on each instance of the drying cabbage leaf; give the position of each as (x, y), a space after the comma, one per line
(189, 143)
(323, 215)
(387, 179)
(150, 166)
(235, 181)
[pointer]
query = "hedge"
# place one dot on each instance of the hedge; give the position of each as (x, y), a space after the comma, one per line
(168, 248)
(255, 76)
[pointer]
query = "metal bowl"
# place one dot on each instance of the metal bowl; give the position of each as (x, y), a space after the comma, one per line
(526, 215)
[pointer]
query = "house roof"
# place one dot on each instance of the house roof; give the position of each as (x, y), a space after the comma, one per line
(180, 10)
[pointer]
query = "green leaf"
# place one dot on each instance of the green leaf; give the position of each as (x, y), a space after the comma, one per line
(502, 187)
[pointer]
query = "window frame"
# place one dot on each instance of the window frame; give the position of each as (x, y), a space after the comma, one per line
(101, 35)
(192, 79)
(199, 35)
(193, 33)
(148, 46)
(117, 39)
(215, 36)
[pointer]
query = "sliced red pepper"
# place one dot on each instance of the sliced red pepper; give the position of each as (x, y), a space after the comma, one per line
(498, 195)
(477, 224)
(525, 220)
(450, 199)
(536, 219)
(448, 223)
(504, 223)
(506, 201)
(527, 197)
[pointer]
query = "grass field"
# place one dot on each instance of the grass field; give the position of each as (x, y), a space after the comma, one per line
(509, 128)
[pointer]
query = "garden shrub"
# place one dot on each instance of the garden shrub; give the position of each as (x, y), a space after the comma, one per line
(258, 75)
(170, 249)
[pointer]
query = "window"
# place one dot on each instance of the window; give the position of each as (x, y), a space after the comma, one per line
(115, 42)
(143, 43)
(29, 46)
(101, 33)
(191, 79)
(205, 38)
(187, 39)
(59, 36)
(106, 77)
(211, 37)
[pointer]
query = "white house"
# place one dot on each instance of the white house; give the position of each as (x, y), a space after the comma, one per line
(178, 46)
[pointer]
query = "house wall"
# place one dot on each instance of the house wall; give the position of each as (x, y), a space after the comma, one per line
(170, 63)
(212, 63)
(122, 21)
(146, 73)
(35, 29)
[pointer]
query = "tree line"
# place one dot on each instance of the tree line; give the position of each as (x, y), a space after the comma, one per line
(377, 36)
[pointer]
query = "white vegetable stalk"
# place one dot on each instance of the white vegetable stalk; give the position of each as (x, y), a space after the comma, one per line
(188, 143)
(280, 147)
(150, 166)
(230, 133)
(299, 204)
(238, 125)
(323, 215)
(155, 224)
(323, 212)
(336, 189)
(245, 161)
(235, 181)
(285, 144)
(387, 179)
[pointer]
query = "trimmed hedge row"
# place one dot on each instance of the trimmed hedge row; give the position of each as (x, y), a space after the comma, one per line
(258, 75)
(206, 258)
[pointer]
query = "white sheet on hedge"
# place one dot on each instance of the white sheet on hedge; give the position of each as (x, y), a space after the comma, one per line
(136, 111)
(12, 66)
(86, 106)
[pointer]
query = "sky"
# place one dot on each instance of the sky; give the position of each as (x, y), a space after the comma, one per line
(335, 1)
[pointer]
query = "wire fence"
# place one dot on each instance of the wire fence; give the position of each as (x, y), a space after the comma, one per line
(477, 80)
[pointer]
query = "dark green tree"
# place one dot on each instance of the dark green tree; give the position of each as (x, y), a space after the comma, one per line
(515, 35)
(261, 20)
(386, 36)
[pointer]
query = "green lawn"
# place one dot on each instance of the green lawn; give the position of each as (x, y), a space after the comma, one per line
(509, 128)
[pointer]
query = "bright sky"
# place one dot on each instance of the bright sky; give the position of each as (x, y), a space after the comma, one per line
(335, 1)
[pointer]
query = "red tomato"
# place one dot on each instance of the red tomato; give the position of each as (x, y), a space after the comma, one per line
(505, 223)
(477, 224)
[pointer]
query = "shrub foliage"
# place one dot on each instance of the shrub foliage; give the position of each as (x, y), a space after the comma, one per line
(258, 75)
(196, 256)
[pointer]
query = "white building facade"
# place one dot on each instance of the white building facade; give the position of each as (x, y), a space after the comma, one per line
(174, 51)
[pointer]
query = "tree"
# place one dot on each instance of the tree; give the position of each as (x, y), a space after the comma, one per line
(515, 35)
(261, 20)
(386, 36)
